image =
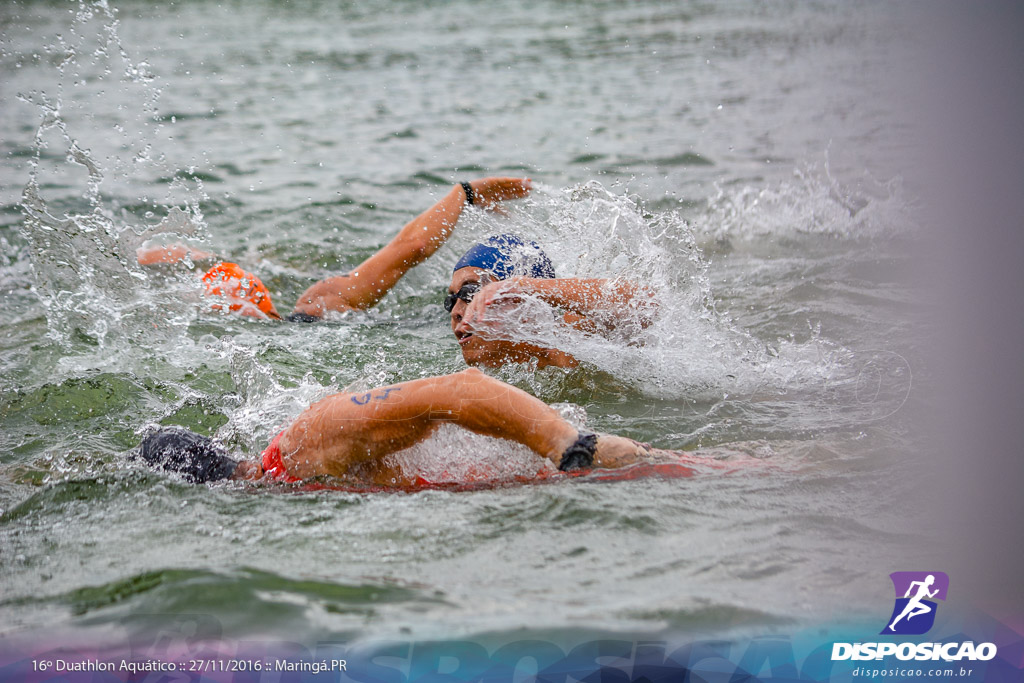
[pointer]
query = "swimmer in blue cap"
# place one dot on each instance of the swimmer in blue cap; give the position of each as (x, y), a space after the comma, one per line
(505, 268)
(234, 289)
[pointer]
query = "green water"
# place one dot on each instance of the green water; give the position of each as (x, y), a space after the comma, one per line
(744, 160)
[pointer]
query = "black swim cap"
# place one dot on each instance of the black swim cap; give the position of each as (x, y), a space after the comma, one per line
(195, 457)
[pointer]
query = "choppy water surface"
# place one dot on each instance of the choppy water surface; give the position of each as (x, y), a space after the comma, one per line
(744, 161)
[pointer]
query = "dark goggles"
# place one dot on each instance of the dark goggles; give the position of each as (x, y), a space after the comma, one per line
(466, 293)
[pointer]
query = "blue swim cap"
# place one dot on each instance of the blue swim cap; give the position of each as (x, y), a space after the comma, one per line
(508, 255)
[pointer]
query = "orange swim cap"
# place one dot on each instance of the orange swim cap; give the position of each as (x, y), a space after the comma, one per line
(243, 291)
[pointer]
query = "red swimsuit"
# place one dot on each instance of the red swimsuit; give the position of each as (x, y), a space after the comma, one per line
(274, 465)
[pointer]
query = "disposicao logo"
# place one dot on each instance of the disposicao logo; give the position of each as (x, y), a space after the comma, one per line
(914, 612)
(914, 615)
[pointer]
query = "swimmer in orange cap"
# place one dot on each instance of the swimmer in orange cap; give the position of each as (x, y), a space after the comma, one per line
(366, 284)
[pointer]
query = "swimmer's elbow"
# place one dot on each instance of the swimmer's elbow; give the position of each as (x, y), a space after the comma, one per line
(416, 250)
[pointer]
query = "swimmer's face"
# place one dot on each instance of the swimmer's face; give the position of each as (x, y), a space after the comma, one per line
(474, 349)
(487, 352)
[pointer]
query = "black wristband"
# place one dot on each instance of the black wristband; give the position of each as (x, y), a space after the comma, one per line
(580, 455)
(469, 191)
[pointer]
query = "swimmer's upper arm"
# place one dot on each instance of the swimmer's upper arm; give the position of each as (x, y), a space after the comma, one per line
(372, 279)
(345, 429)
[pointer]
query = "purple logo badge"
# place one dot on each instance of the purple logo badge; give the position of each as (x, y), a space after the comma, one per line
(916, 592)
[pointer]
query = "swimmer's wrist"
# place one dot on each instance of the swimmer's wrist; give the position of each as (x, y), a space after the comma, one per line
(467, 189)
(580, 454)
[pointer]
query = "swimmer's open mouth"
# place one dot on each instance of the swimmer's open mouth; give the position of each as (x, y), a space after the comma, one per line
(463, 337)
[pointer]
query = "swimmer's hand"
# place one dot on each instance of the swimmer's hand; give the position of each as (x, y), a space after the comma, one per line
(487, 192)
(617, 451)
(485, 309)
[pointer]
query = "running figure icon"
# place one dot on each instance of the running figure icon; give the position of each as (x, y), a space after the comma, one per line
(916, 595)
(915, 607)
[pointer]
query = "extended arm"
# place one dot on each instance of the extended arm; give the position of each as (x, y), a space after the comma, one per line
(599, 302)
(171, 253)
(369, 282)
(910, 588)
(345, 431)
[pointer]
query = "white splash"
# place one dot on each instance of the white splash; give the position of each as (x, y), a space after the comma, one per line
(687, 347)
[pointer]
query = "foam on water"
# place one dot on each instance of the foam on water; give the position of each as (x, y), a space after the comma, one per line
(105, 311)
(83, 253)
(264, 405)
(812, 203)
